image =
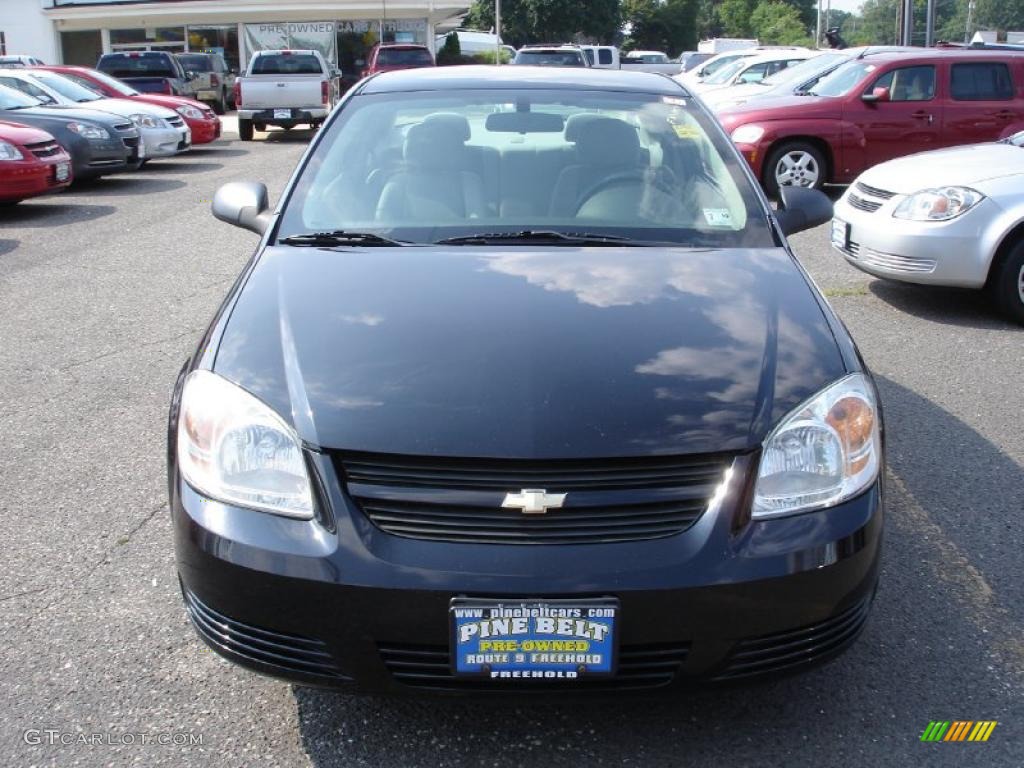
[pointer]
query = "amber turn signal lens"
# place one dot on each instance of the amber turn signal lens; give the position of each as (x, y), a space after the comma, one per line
(853, 420)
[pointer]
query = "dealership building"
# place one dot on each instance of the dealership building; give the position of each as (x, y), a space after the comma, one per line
(79, 31)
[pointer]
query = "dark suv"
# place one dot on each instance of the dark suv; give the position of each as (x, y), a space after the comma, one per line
(149, 72)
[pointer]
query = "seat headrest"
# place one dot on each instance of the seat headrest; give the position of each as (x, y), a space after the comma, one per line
(436, 142)
(606, 141)
(577, 123)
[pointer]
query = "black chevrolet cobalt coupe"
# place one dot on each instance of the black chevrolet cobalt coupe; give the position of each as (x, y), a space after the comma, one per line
(523, 390)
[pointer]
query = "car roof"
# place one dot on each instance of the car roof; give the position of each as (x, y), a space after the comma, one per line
(781, 55)
(935, 54)
(537, 78)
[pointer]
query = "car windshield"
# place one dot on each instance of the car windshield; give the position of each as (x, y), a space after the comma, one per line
(550, 58)
(12, 99)
(111, 82)
(396, 57)
(426, 166)
(137, 66)
(67, 88)
(196, 62)
(726, 73)
(843, 80)
(27, 87)
(803, 71)
(286, 64)
(713, 66)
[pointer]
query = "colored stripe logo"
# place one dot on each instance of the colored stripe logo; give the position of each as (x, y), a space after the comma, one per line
(958, 730)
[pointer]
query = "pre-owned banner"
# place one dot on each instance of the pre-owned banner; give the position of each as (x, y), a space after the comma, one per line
(313, 35)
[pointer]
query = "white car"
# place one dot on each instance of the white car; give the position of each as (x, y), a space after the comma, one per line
(724, 59)
(750, 69)
(163, 132)
(947, 217)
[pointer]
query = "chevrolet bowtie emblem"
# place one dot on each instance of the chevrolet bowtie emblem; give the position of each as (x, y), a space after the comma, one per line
(533, 501)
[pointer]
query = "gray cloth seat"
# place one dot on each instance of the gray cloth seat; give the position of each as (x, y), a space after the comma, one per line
(604, 147)
(432, 184)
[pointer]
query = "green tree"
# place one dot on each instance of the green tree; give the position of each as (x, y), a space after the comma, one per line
(451, 51)
(735, 17)
(662, 25)
(777, 23)
(536, 21)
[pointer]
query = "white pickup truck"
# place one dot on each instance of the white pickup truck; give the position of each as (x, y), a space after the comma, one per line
(285, 88)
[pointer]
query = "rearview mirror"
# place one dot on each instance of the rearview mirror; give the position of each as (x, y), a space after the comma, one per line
(877, 94)
(802, 208)
(244, 204)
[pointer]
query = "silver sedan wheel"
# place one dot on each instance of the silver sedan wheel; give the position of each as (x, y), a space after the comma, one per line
(1020, 285)
(797, 169)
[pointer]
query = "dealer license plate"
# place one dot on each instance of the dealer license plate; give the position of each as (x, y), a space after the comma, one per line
(282, 114)
(840, 233)
(539, 640)
(62, 171)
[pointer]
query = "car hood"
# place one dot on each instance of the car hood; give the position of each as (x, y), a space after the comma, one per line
(782, 107)
(22, 134)
(129, 107)
(65, 115)
(168, 102)
(529, 352)
(963, 166)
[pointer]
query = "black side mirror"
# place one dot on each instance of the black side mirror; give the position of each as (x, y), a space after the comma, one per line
(802, 208)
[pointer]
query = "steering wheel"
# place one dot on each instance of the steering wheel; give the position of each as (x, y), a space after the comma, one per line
(661, 178)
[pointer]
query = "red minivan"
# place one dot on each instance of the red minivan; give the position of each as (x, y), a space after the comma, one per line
(390, 56)
(877, 107)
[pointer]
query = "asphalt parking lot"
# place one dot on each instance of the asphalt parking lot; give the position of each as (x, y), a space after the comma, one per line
(105, 290)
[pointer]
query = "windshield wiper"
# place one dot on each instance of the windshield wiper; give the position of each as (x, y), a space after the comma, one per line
(340, 237)
(543, 236)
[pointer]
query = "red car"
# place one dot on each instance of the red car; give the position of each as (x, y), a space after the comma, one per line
(205, 124)
(391, 56)
(878, 107)
(32, 163)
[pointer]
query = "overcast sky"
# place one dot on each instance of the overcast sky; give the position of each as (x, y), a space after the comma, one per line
(843, 5)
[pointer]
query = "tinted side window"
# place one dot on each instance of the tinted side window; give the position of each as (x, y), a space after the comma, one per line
(909, 83)
(604, 56)
(981, 81)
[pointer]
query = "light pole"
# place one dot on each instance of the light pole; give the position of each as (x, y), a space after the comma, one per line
(497, 32)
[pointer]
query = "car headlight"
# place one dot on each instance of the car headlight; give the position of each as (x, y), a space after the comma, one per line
(192, 113)
(824, 452)
(940, 204)
(87, 131)
(10, 152)
(149, 121)
(234, 448)
(747, 134)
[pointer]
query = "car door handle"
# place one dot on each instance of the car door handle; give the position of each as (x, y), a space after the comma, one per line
(922, 115)
(1006, 114)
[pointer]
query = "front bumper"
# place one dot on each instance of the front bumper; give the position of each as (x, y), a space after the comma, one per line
(952, 253)
(351, 607)
(97, 157)
(754, 155)
(164, 142)
(33, 176)
(205, 130)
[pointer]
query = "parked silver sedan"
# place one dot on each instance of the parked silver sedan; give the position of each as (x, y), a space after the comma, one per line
(947, 217)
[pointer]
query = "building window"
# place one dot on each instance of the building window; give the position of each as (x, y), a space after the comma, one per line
(157, 38)
(81, 48)
(218, 38)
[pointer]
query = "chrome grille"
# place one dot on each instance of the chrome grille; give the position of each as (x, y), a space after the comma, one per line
(640, 667)
(890, 261)
(865, 205)
(459, 500)
(44, 149)
(882, 194)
